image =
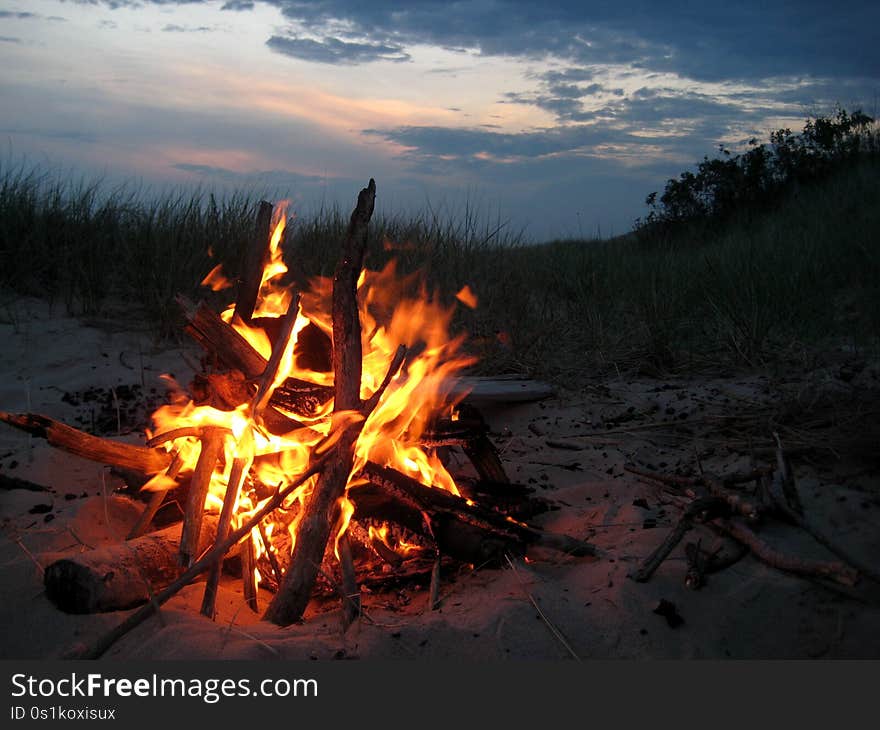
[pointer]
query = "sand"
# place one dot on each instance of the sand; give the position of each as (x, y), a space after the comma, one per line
(550, 607)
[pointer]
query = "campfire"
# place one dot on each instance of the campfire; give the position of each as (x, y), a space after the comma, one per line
(308, 453)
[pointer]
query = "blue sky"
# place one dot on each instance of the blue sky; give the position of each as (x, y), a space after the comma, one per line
(558, 117)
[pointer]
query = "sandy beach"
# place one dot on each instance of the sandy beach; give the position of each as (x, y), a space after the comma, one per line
(571, 447)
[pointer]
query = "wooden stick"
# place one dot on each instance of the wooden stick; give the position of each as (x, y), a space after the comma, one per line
(104, 642)
(783, 504)
(255, 263)
(239, 468)
(242, 463)
(212, 446)
(351, 605)
(174, 433)
(248, 578)
(468, 532)
(786, 477)
(369, 405)
(105, 451)
(704, 509)
(738, 503)
(319, 509)
(266, 383)
(837, 572)
(273, 559)
(434, 593)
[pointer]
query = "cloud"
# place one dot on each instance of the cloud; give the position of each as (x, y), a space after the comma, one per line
(267, 177)
(9, 39)
(238, 5)
(487, 146)
(172, 28)
(710, 41)
(335, 51)
(20, 15)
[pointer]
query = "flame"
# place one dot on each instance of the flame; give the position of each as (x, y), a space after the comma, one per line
(394, 310)
(467, 297)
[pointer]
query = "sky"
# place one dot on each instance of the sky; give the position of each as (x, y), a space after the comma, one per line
(555, 119)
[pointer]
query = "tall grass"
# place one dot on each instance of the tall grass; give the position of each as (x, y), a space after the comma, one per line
(769, 285)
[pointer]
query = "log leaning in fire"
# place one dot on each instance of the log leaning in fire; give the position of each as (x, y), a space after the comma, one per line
(255, 262)
(121, 575)
(241, 464)
(466, 532)
(220, 339)
(74, 441)
(320, 510)
(212, 447)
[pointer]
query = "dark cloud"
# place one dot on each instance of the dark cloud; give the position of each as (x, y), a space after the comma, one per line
(709, 41)
(9, 39)
(20, 15)
(752, 39)
(336, 51)
(238, 5)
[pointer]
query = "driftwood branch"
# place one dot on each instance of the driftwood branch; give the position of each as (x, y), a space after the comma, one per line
(837, 572)
(94, 448)
(699, 510)
(155, 501)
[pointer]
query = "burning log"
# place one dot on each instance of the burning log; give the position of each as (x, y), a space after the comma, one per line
(321, 508)
(119, 576)
(74, 441)
(466, 532)
(242, 462)
(212, 446)
(258, 257)
(220, 339)
(248, 575)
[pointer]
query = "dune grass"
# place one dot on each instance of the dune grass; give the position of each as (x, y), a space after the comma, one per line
(766, 287)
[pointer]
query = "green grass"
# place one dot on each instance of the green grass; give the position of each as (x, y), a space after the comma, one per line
(763, 289)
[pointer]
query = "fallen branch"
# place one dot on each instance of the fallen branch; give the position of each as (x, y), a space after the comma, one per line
(702, 510)
(837, 572)
(94, 448)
